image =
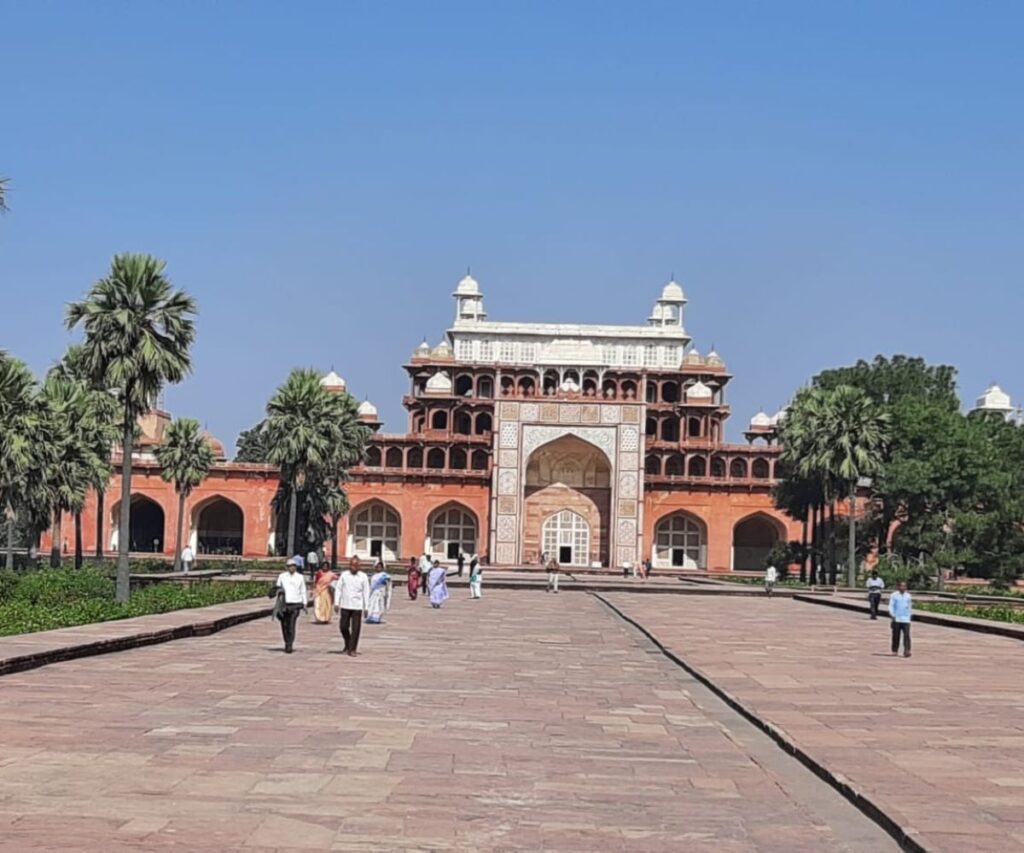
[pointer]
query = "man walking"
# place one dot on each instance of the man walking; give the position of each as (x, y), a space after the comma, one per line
(875, 586)
(901, 610)
(351, 600)
(552, 576)
(771, 575)
(461, 563)
(293, 586)
(425, 567)
(187, 558)
(475, 577)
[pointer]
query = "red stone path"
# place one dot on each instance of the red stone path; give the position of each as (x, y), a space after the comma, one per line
(937, 740)
(521, 722)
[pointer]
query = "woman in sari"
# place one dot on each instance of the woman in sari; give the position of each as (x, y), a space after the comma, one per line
(438, 585)
(380, 594)
(323, 596)
(414, 578)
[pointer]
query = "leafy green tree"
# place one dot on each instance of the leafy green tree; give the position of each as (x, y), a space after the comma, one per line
(252, 444)
(138, 333)
(185, 459)
(22, 417)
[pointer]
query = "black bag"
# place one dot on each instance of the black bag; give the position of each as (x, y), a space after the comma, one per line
(272, 592)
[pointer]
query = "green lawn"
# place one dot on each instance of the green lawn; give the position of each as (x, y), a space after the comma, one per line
(60, 598)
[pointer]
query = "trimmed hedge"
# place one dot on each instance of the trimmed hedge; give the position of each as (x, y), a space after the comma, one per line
(995, 612)
(62, 598)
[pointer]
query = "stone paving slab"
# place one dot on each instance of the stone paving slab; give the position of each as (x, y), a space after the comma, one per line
(936, 740)
(19, 652)
(519, 722)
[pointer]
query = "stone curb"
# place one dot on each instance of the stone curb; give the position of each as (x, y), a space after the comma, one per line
(982, 626)
(900, 834)
(21, 663)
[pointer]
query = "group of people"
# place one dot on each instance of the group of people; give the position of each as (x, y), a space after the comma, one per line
(355, 596)
(901, 606)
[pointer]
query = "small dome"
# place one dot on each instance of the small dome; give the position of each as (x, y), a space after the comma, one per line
(995, 399)
(779, 416)
(422, 351)
(698, 391)
(333, 382)
(439, 383)
(442, 350)
(693, 357)
(468, 286)
(715, 359)
(215, 445)
(672, 292)
(367, 411)
(761, 419)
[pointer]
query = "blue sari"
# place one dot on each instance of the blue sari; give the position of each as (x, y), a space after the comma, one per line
(438, 586)
(380, 597)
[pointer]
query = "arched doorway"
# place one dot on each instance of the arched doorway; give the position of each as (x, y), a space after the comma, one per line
(452, 530)
(375, 530)
(567, 475)
(752, 540)
(217, 527)
(680, 542)
(566, 538)
(145, 525)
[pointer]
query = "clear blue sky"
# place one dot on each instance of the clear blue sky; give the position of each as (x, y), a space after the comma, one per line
(826, 180)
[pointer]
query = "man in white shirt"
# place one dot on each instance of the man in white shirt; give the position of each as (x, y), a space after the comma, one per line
(901, 608)
(771, 575)
(292, 585)
(313, 561)
(187, 558)
(351, 600)
(875, 586)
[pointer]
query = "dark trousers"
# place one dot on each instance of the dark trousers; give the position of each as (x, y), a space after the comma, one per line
(289, 616)
(423, 581)
(351, 622)
(873, 599)
(900, 629)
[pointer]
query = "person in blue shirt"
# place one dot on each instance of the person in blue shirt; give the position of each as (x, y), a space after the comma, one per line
(900, 610)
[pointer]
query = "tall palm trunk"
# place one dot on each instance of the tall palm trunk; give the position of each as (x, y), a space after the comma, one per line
(181, 525)
(334, 543)
(803, 546)
(293, 506)
(78, 539)
(851, 569)
(126, 506)
(832, 567)
(55, 546)
(100, 496)
(814, 544)
(9, 562)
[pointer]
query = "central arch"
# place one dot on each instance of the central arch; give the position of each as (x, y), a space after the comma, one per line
(566, 538)
(375, 530)
(567, 475)
(218, 525)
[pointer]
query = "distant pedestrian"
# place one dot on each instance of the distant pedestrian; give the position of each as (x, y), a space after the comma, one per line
(292, 586)
(313, 562)
(187, 559)
(552, 576)
(351, 601)
(438, 585)
(875, 586)
(771, 575)
(901, 608)
(461, 563)
(475, 578)
(425, 567)
(648, 567)
(413, 580)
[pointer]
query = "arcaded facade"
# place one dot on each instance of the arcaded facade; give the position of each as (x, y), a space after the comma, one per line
(597, 445)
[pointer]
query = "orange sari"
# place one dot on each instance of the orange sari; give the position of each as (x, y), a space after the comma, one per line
(323, 596)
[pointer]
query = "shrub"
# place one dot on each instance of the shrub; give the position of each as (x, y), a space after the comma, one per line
(892, 569)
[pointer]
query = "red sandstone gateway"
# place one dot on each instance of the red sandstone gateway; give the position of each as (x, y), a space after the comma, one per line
(595, 445)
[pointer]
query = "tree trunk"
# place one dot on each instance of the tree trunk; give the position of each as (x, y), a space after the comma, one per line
(181, 525)
(815, 542)
(851, 569)
(78, 540)
(803, 546)
(100, 496)
(293, 505)
(55, 545)
(832, 567)
(334, 543)
(126, 507)
(9, 562)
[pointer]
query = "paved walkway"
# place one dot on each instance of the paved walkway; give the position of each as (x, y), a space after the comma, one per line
(521, 722)
(936, 740)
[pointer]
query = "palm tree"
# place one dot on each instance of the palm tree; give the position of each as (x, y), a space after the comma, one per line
(138, 332)
(856, 433)
(186, 458)
(313, 434)
(20, 415)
